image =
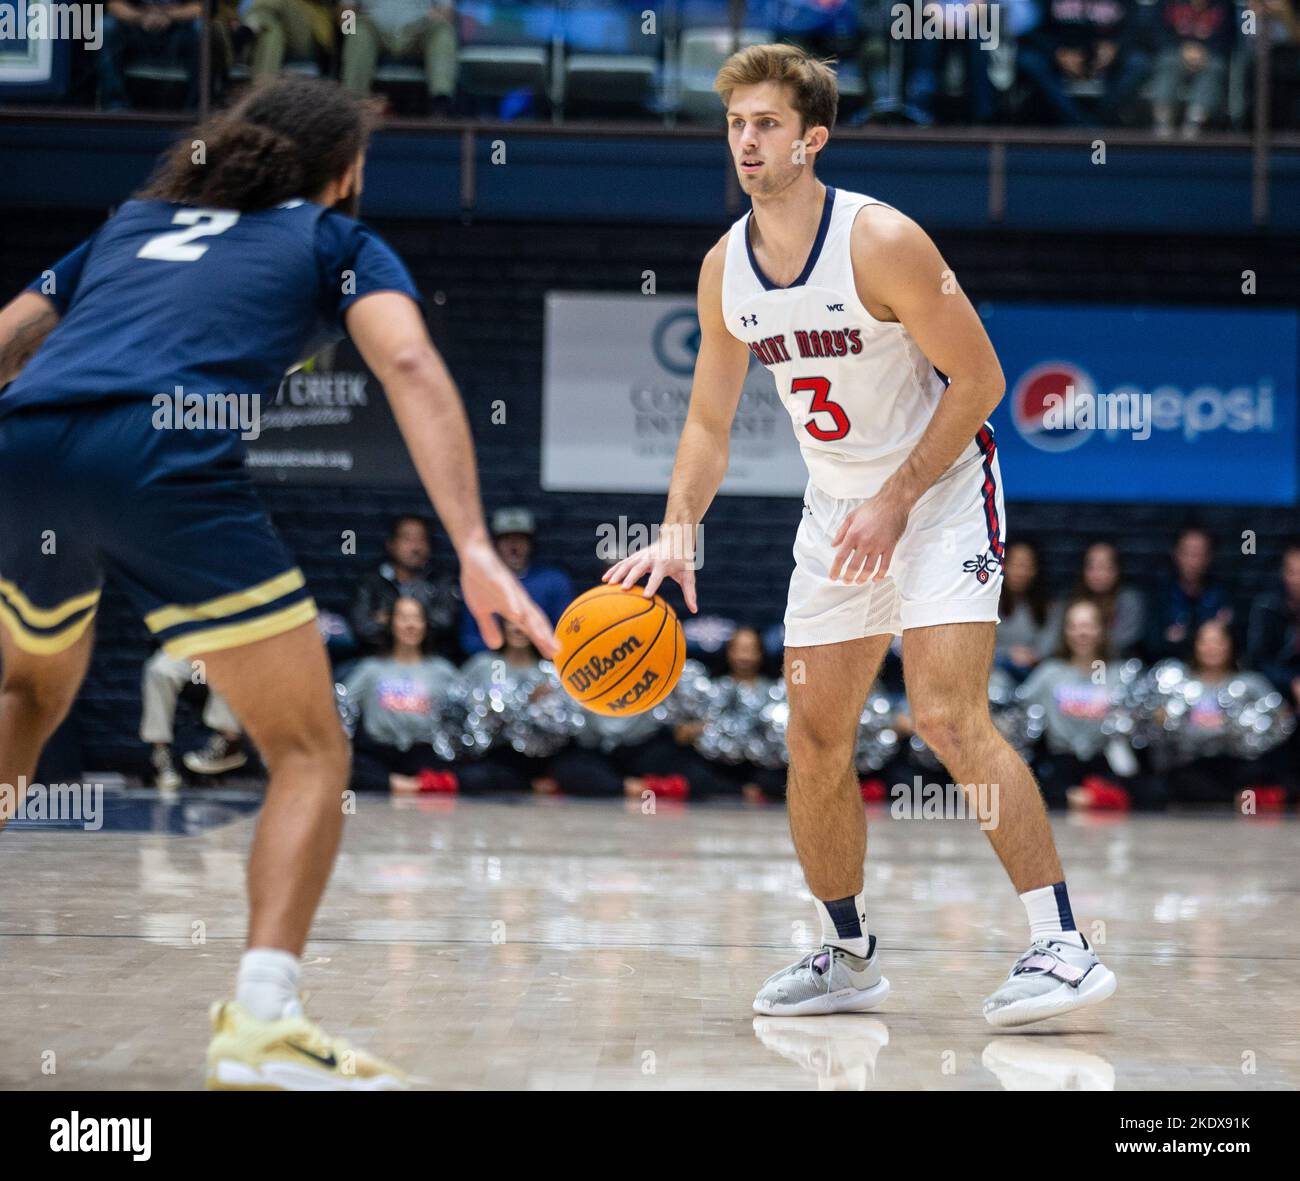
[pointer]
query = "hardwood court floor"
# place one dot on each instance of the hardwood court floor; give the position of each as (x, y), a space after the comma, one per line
(561, 944)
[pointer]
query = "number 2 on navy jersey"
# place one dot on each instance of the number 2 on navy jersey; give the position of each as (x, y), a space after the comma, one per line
(820, 388)
(178, 245)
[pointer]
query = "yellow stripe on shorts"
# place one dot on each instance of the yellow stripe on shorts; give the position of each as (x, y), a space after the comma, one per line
(231, 604)
(43, 644)
(233, 635)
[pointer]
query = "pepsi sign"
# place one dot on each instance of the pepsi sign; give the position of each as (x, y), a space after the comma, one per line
(1147, 404)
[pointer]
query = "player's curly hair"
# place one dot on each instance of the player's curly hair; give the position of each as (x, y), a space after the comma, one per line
(288, 137)
(814, 92)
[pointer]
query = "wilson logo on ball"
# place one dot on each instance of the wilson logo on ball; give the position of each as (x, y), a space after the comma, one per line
(586, 675)
(620, 652)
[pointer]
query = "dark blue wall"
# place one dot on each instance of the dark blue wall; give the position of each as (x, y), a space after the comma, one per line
(485, 285)
(656, 179)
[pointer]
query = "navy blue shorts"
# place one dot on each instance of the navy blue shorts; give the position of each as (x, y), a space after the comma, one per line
(170, 516)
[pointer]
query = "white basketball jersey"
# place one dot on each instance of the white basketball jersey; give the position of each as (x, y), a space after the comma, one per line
(859, 391)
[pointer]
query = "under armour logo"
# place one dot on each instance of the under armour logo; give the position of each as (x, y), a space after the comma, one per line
(750, 321)
(834, 307)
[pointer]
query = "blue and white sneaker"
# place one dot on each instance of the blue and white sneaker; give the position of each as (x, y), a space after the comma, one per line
(828, 980)
(1051, 978)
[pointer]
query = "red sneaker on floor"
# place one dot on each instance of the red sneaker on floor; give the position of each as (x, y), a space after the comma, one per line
(1105, 795)
(438, 782)
(872, 790)
(671, 787)
(1269, 797)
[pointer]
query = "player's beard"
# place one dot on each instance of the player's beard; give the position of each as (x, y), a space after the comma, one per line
(771, 181)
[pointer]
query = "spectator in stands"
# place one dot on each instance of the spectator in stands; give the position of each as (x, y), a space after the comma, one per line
(405, 573)
(711, 777)
(397, 696)
(1029, 622)
(1273, 631)
(294, 30)
(1081, 764)
(927, 57)
(503, 768)
(154, 30)
(1197, 38)
(1123, 609)
(853, 32)
(513, 530)
(1278, 21)
(1085, 41)
(403, 30)
(617, 756)
(1205, 775)
(1185, 601)
(162, 680)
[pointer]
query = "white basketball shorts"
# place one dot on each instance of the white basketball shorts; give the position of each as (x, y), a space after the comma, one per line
(947, 567)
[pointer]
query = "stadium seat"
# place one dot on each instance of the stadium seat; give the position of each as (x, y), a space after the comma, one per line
(240, 71)
(700, 52)
(155, 83)
(610, 64)
(507, 48)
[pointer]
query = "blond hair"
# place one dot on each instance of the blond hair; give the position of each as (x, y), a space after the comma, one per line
(813, 91)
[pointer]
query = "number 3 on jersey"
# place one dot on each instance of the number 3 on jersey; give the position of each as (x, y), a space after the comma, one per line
(820, 388)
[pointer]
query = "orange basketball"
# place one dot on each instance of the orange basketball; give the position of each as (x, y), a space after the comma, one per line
(620, 653)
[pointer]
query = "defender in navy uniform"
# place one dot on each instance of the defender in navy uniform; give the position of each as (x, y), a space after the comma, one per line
(231, 266)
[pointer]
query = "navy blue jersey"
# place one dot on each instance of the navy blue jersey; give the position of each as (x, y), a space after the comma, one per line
(211, 300)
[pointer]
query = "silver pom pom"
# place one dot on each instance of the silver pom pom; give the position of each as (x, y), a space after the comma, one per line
(349, 710)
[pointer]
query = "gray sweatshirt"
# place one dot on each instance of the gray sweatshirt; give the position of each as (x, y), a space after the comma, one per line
(1075, 706)
(399, 702)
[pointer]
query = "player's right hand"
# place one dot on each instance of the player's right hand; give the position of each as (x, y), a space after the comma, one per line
(662, 559)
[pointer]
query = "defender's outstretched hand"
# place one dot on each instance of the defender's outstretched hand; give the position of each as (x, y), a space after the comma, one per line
(490, 589)
(662, 559)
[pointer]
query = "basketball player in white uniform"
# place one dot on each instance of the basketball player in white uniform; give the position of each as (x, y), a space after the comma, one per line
(851, 307)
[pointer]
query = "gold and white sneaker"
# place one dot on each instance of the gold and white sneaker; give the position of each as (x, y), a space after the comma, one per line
(292, 1054)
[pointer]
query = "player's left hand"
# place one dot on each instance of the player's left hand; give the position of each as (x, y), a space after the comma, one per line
(866, 540)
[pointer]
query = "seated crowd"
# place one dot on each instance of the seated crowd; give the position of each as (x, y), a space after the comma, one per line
(409, 649)
(1170, 65)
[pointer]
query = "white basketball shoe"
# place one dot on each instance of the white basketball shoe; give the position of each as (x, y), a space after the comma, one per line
(1051, 978)
(828, 980)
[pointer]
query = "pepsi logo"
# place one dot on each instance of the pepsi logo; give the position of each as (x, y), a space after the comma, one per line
(1045, 392)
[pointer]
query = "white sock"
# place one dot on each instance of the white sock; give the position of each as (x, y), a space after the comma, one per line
(852, 915)
(267, 984)
(1049, 913)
